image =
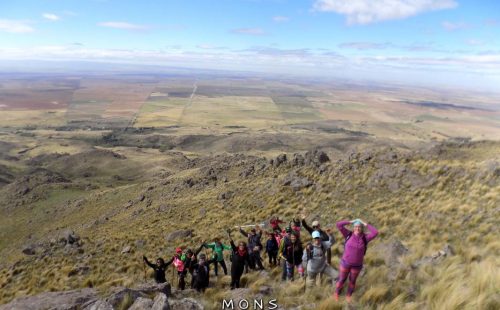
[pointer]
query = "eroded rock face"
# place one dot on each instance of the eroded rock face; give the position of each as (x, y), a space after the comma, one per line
(160, 302)
(54, 300)
(99, 305)
(141, 304)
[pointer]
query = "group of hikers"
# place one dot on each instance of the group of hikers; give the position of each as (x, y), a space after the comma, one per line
(283, 247)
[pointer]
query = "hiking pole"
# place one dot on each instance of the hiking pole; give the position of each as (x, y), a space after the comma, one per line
(251, 225)
(173, 275)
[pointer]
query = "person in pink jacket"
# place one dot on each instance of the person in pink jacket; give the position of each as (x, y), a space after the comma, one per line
(356, 242)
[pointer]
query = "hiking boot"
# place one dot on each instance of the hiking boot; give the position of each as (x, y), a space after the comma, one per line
(336, 296)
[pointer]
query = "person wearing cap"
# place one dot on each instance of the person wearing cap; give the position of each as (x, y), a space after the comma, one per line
(324, 236)
(315, 256)
(201, 272)
(354, 252)
(218, 248)
(178, 262)
(254, 246)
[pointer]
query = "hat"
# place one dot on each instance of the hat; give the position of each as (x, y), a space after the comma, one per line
(315, 223)
(316, 234)
(178, 250)
(357, 223)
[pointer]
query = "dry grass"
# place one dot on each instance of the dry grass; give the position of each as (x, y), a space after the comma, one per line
(459, 209)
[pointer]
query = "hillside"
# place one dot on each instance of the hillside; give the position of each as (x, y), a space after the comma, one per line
(436, 208)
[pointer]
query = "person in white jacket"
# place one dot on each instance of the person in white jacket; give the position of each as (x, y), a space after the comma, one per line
(315, 256)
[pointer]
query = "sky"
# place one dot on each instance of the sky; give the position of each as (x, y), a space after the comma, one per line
(431, 42)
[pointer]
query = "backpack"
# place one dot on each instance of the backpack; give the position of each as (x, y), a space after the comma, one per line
(363, 237)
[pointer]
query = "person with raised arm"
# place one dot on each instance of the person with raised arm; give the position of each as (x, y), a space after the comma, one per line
(239, 258)
(355, 245)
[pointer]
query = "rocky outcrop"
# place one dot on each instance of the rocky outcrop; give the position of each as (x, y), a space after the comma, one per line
(141, 304)
(179, 234)
(435, 258)
(186, 304)
(160, 302)
(54, 300)
(296, 182)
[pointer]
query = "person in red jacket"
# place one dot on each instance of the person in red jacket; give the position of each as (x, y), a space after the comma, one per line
(356, 242)
(275, 223)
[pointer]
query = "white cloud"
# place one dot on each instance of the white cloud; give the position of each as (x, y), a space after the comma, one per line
(207, 46)
(371, 11)
(450, 26)
(364, 45)
(123, 25)
(15, 26)
(50, 16)
(280, 19)
(249, 31)
(474, 42)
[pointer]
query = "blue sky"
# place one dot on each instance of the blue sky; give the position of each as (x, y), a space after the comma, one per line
(445, 42)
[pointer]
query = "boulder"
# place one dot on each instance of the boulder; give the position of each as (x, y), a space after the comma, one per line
(435, 258)
(98, 305)
(316, 158)
(265, 290)
(120, 293)
(225, 195)
(391, 251)
(186, 304)
(68, 236)
(238, 294)
(53, 300)
(126, 249)
(280, 159)
(179, 234)
(150, 289)
(161, 302)
(296, 183)
(29, 250)
(298, 160)
(141, 304)
(247, 172)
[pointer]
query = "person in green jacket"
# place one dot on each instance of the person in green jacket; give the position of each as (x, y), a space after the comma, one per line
(218, 248)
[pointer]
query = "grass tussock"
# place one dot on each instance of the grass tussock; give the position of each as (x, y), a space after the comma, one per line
(453, 206)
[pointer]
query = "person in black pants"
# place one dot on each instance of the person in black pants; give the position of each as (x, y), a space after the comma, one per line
(191, 260)
(159, 269)
(272, 249)
(254, 247)
(239, 258)
(201, 272)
